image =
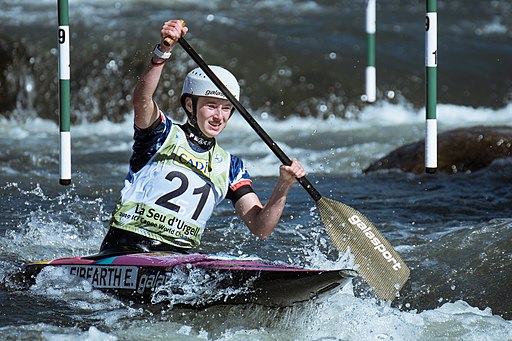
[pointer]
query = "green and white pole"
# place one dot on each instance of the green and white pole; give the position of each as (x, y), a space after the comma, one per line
(371, 73)
(64, 93)
(431, 87)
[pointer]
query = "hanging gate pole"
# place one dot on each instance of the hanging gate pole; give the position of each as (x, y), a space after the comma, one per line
(431, 87)
(371, 77)
(64, 93)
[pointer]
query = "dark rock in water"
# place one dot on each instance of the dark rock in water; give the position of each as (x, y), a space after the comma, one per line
(17, 83)
(8, 86)
(459, 150)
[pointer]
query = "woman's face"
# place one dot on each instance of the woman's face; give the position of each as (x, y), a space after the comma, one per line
(212, 114)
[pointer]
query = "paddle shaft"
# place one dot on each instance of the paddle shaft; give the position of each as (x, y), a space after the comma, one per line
(247, 116)
(380, 266)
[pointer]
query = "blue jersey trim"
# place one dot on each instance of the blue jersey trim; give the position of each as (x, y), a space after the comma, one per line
(148, 141)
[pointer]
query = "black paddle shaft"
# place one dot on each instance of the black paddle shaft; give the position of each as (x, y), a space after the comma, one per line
(252, 122)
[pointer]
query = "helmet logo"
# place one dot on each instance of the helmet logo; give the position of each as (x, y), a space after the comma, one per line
(214, 93)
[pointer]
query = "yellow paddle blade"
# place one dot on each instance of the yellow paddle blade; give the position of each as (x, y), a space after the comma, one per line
(379, 264)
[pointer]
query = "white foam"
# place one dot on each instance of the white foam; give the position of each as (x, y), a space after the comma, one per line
(332, 146)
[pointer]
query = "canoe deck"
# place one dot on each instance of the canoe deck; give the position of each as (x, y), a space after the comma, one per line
(196, 279)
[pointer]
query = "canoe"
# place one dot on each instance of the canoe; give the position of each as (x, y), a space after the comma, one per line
(195, 280)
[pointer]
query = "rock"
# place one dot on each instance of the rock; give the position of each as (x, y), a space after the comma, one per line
(13, 75)
(459, 150)
(8, 88)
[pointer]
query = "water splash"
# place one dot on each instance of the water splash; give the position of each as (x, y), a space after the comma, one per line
(198, 287)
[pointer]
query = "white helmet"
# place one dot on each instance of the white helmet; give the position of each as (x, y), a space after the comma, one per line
(197, 83)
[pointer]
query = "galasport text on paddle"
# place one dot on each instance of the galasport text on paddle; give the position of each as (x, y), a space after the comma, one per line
(379, 264)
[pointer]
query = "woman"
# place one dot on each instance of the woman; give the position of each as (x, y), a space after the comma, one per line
(178, 173)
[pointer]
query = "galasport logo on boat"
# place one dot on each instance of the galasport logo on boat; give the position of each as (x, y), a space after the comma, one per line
(356, 220)
(151, 281)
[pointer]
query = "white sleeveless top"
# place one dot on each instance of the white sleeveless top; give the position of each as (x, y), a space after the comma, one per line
(172, 197)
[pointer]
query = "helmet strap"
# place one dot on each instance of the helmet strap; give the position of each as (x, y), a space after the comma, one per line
(192, 116)
(194, 133)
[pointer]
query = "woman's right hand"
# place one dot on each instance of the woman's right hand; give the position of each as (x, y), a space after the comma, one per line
(171, 31)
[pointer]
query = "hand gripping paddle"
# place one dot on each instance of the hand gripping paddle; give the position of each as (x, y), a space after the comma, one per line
(379, 264)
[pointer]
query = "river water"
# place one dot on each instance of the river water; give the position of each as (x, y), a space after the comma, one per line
(301, 65)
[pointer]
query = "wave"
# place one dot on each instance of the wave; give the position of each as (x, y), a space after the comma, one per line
(332, 145)
(381, 114)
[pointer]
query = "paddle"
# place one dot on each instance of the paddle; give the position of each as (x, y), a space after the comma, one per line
(379, 264)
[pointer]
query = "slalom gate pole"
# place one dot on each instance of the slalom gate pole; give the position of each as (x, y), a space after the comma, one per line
(371, 77)
(431, 87)
(64, 93)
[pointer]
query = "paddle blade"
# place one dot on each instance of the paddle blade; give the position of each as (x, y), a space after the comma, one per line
(379, 264)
